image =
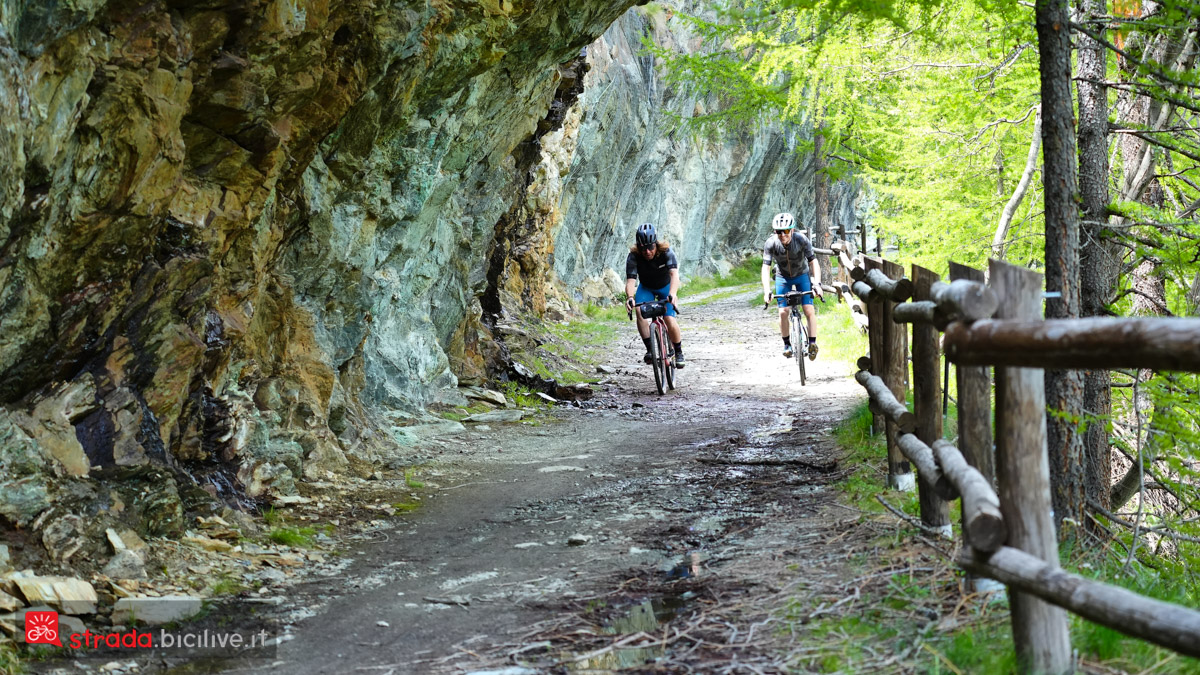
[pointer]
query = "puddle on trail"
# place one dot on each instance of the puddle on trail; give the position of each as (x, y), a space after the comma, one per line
(649, 617)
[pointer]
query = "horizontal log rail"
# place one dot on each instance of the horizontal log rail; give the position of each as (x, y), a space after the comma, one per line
(965, 299)
(982, 521)
(921, 456)
(1013, 542)
(896, 290)
(863, 291)
(1156, 343)
(1162, 623)
(923, 311)
(905, 421)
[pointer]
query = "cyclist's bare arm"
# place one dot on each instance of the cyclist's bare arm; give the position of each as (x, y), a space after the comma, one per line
(630, 291)
(766, 281)
(674, 292)
(816, 276)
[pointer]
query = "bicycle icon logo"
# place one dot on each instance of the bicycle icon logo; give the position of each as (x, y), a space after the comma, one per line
(42, 628)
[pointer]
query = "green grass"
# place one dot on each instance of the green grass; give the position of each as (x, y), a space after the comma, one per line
(10, 661)
(227, 584)
(298, 537)
(753, 292)
(412, 482)
(837, 334)
(608, 313)
(458, 414)
(271, 516)
(520, 395)
(406, 507)
(748, 271)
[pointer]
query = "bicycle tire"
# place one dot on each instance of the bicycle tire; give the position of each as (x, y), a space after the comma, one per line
(668, 363)
(801, 349)
(657, 357)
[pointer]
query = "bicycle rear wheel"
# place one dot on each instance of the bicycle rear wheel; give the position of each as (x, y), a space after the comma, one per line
(668, 362)
(657, 356)
(802, 348)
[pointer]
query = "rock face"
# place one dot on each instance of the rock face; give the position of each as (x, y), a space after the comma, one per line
(238, 241)
(622, 160)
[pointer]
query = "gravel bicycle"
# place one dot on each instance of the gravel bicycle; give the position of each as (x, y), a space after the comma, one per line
(795, 300)
(661, 352)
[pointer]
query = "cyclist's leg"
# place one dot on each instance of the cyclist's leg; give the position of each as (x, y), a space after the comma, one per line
(643, 295)
(810, 313)
(673, 332)
(804, 284)
(782, 286)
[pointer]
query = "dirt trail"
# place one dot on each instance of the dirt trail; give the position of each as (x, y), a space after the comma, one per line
(703, 510)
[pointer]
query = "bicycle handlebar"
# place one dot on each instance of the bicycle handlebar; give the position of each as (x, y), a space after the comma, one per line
(793, 293)
(629, 312)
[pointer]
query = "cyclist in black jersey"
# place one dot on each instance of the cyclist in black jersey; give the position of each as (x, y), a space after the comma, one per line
(652, 273)
(793, 255)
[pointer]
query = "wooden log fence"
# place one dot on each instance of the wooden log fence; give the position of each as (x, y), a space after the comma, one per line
(1007, 526)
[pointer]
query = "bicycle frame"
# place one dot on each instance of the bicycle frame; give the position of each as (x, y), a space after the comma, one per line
(799, 331)
(662, 356)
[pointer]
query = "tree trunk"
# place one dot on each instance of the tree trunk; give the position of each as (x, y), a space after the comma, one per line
(1099, 257)
(1064, 388)
(1150, 300)
(1173, 51)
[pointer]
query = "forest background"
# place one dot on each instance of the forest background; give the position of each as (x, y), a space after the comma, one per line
(1060, 137)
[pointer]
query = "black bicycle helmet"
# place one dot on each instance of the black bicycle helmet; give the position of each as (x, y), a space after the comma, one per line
(646, 236)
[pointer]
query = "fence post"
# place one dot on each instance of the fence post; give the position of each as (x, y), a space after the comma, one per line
(895, 373)
(935, 511)
(875, 341)
(1040, 634)
(975, 420)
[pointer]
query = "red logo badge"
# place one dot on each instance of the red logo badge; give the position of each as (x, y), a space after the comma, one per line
(41, 628)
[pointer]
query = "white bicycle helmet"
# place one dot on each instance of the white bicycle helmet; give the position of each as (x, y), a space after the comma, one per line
(783, 221)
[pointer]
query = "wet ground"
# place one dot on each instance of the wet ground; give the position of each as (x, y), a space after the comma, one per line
(656, 533)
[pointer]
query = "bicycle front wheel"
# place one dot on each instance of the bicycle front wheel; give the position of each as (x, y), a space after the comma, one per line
(657, 357)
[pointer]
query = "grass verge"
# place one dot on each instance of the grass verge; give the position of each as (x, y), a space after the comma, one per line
(748, 271)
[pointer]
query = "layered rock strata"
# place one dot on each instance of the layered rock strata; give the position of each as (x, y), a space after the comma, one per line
(241, 243)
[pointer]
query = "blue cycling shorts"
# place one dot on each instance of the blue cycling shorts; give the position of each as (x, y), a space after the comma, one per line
(784, 284)
(646, 295)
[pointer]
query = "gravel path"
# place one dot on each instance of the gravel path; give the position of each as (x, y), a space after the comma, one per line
(693, 517)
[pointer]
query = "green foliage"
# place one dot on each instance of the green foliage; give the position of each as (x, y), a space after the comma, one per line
(411, 481)
(520, 395)
(10, 661)
(271, 516)
(298, 537)
(929, 103)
